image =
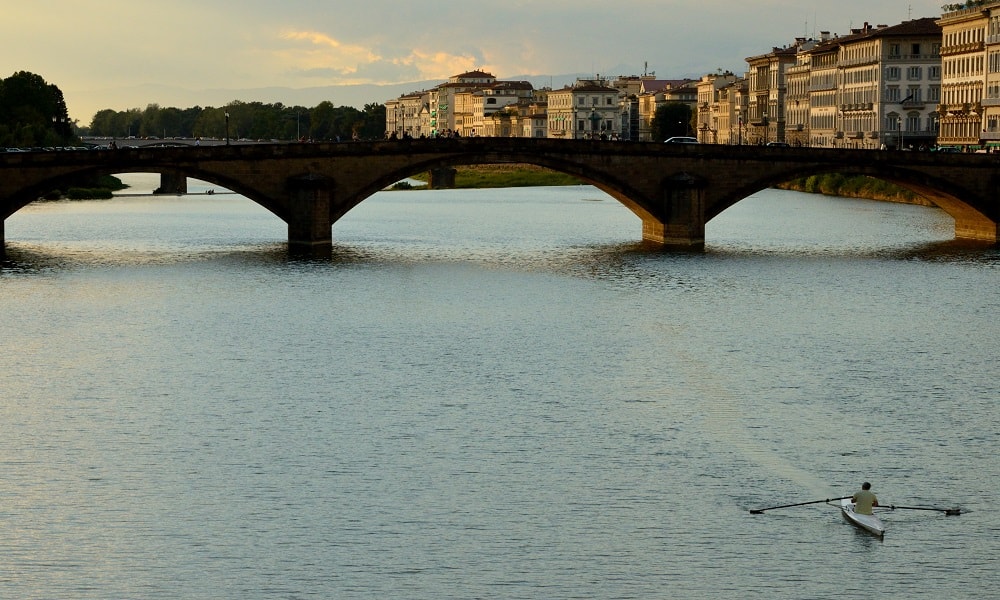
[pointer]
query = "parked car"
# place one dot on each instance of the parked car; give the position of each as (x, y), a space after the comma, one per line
(778, 144)
(681, 140)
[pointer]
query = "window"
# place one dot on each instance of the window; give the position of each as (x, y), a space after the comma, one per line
(914, 73)
(894, 51)
(915, 50)
(892, 94)
(934, 72)
(892, 73)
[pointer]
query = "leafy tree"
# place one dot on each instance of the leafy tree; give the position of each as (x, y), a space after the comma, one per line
(254, 120)
(671, 119)
(33, 112)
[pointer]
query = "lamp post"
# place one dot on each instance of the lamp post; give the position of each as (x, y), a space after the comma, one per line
(902, 146)
(227, 127)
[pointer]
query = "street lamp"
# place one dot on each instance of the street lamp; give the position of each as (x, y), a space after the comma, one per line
(227, 127)
(902, 146)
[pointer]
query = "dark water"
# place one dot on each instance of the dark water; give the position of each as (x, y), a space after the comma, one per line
(494, 394)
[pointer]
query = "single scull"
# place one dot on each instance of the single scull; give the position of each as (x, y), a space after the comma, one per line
(869, 523)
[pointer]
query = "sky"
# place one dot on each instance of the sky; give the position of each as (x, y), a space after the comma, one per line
(122, 54)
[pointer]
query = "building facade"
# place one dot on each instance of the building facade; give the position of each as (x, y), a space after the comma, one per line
(586, 110)
(964, 74)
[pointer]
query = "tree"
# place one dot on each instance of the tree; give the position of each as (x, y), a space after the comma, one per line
(33, 113)
(671, 119)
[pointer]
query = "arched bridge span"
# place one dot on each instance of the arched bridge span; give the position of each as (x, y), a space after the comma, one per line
(675, 189)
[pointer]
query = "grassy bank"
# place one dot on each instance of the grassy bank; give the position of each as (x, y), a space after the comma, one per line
(524, 175)
(856, 186)
(506, 175)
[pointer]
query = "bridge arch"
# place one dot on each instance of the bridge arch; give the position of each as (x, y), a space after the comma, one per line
(614, 187)
(944, 193)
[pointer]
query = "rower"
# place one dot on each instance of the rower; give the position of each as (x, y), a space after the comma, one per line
(864, 500)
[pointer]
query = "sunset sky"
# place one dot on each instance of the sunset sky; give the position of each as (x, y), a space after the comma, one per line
(123, 54)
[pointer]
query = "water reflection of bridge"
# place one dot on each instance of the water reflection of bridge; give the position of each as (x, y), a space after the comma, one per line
(675, 189)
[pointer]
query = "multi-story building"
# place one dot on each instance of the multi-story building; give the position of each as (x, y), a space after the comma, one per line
(732, 105)
(441, 99)
(710, 117)
(767, 88)
(875, 87)
(586, 110)
(797, 87)
(964, 74)
(406, 116)
(490, 100)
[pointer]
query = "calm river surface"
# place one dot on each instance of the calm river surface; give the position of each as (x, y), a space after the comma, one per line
(494, 394)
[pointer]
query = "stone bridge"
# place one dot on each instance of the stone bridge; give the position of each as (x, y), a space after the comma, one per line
(675, 189)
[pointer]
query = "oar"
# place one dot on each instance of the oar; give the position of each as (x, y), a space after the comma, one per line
(757, 511)
(948, 511)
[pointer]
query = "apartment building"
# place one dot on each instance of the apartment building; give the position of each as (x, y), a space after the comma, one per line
(797, 95)
(407, 116)
(766, 88)
(877, 86)
(487, 102)
(969, 48)
(586, 110)
(441, 100)
(906, 106)
(710, 118)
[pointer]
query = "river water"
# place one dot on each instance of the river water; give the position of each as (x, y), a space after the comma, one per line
(494, 394)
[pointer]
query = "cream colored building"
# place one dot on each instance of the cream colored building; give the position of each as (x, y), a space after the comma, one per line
(968, 47)
(766, 88)
(797, 96)
(586, 110)
(710, 118)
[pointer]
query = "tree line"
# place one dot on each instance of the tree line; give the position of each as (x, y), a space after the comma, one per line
(250, 120)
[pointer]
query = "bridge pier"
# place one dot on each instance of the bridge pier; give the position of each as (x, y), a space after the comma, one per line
(681, 222)
(309, 223)
(442, 178)
(173, 182)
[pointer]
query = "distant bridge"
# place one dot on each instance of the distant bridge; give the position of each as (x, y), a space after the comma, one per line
(675, 189)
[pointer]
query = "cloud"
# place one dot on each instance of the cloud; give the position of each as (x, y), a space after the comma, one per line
(316, 55)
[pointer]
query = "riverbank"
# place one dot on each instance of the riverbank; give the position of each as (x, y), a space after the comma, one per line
(857, 186)
(506, 175)
(525, 175)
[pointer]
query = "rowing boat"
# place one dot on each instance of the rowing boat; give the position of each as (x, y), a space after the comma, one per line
(869, 523)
